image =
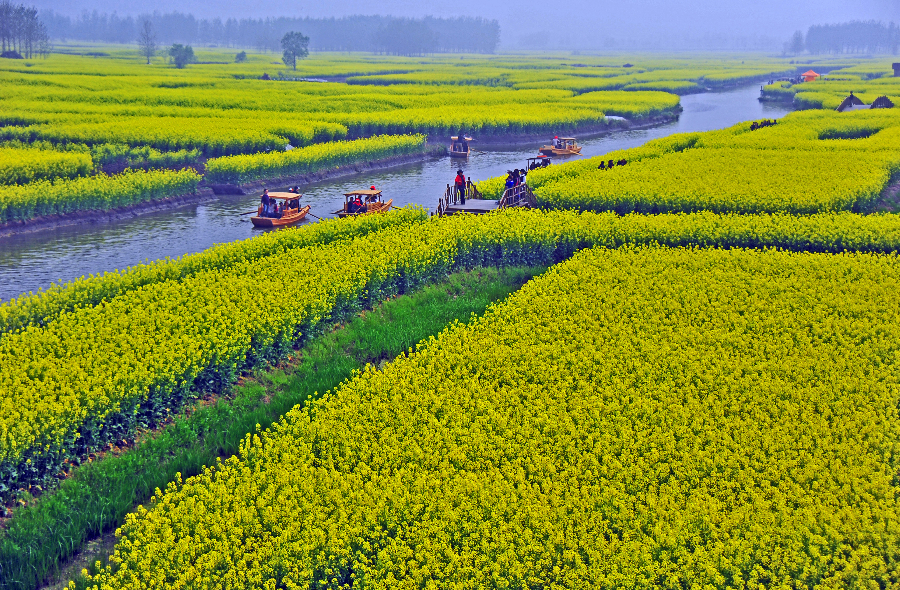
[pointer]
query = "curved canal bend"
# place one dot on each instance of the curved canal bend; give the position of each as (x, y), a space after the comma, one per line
(29, 262)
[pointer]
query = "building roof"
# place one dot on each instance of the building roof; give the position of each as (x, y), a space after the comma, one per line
(883, 102)
(809, 73)
(851, 103)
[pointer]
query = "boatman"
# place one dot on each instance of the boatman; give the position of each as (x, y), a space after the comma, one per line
(265, 202)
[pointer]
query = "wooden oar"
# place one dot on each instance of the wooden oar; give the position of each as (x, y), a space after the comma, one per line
(316, 216)
(248, 213)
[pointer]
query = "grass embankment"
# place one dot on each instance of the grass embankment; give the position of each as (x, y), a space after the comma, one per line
(41, 536)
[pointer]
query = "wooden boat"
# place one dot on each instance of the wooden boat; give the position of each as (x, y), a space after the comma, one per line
(568, 147)
(371, 203)
(459, 148)
(292, 211)
(537, 162)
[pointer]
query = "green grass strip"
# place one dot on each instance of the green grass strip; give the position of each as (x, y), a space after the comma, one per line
(95, 500)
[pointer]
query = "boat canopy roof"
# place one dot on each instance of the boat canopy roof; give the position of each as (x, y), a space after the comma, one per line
(363, 193)
(285, 196)
(541, 157)
(567, 138)
(456, 138)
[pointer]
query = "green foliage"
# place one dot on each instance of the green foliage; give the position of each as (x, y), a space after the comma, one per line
(109, 153)
(294, 46)
(181, 55)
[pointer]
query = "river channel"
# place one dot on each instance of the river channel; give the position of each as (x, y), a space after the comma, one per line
(29, 262)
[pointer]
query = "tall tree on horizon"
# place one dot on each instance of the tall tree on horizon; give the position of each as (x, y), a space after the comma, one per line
(147, 41)
(295, 46)
(797, 44)
(21, 30)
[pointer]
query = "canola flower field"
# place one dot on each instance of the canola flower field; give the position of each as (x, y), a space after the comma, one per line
(21, 166)
(701, 391)
(96, 343)
(99, 192)
(561, 444)
(224, 109)
(66, 117)
(809, 162)
(56, 182)
(311, 158)
(867, 79)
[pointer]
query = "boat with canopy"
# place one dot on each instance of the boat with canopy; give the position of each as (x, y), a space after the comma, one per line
(364, 201)
(289, 211)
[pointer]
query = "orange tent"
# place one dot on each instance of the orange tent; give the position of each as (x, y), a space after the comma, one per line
(809, 76)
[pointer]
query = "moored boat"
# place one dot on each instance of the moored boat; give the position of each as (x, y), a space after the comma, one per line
(459, 146)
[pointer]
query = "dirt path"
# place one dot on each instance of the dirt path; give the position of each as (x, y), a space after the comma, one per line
(98, 549)
(890, 198)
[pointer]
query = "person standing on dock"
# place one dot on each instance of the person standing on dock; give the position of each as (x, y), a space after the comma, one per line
(460, 184)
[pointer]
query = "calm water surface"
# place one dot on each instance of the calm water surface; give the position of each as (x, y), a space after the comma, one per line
(32, 261)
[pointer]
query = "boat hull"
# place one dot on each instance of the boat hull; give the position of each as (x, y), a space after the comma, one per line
(372, 208)
(459, 154)
(552, 151)
(281, 221)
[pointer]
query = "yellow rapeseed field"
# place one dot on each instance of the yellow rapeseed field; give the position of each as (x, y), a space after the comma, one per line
(806, 163)
(636, 418)
(126, 348)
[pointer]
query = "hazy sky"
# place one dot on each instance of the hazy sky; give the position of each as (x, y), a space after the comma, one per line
(586, 20)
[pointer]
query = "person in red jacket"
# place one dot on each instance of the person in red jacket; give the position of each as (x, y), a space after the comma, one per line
(460, 184)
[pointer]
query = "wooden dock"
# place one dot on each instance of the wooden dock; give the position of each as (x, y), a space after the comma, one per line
(472, 206)
(451, 202)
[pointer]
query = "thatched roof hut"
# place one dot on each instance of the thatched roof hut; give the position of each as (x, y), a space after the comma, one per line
(851, 103)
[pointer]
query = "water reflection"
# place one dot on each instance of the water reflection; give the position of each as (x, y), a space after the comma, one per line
(32, 261)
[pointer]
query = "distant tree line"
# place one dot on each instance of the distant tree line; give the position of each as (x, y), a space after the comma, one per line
(852, 37)
(382, 34)
(21, 30)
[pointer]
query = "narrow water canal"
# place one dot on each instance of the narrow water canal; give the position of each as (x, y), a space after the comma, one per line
(29, 262)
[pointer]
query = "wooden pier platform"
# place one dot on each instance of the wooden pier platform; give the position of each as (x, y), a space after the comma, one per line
(472, 206)
(516, 196)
